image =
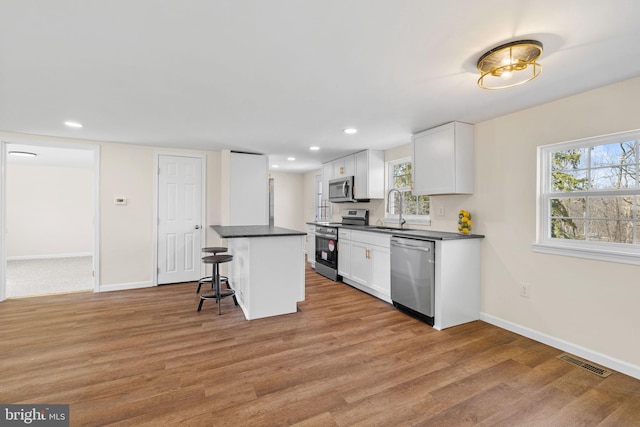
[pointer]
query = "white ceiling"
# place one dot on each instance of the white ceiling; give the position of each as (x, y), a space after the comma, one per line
(277, 76)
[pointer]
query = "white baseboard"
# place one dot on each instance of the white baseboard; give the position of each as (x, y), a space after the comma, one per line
(125, 286)
(577, 350)
(28, 257)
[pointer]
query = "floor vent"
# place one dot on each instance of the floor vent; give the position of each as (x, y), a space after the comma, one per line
(601, 372)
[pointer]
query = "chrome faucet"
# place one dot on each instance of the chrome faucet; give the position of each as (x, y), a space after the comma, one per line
(401, 220)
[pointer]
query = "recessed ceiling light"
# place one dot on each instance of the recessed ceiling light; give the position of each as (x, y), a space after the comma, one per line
(314, 148)
(350, 131)
(291, 158)
(73, 124)
(22, 153)
(275, 166)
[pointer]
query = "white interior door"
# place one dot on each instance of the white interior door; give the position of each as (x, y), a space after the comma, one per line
(179, 218)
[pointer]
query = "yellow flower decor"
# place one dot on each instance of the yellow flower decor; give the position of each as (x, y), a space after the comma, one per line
(464, 222)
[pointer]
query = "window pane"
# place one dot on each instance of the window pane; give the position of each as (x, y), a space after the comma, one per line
(563, 161)
(410, 205)
(611, 231)
(623, 176)
(568, 207)
(611, 207)
(617, 153)
(402, 175)
(423, 205)
(570, 180)
(566, 228)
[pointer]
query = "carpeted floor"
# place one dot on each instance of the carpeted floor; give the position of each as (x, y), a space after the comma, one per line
(49, 276)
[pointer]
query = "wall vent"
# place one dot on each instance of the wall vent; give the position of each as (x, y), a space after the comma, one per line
(601, 372)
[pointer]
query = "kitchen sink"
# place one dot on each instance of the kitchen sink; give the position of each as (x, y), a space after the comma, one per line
(381, 227)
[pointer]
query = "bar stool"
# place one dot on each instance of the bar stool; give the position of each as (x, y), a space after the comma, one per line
(217, 293)
(215, 250)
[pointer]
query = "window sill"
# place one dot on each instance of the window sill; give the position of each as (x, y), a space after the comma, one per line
(609, 255)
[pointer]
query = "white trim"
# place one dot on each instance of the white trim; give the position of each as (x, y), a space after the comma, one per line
(602, 251)
(3, 225)
(587, 253)
(29, 257)
(594, 356)
(203, 227)
(126, 286)
(96, 218)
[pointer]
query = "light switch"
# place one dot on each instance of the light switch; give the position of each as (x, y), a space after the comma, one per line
(121, 201)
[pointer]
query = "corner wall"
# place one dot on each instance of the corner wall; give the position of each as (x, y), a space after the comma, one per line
(585, 304)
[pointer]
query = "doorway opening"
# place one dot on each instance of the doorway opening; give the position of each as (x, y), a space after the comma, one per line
(49, 197)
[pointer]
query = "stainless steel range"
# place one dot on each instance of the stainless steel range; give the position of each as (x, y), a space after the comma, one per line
(327, 241)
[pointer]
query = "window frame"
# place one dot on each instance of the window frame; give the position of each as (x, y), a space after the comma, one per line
(627, 253)
(394, 218)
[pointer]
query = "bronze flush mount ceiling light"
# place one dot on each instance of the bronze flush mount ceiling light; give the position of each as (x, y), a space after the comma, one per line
(510, 64)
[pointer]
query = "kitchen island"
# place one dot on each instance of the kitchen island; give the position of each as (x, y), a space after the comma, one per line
(267, 271)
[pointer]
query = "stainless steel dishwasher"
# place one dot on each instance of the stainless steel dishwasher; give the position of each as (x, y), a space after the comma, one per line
(413, 277)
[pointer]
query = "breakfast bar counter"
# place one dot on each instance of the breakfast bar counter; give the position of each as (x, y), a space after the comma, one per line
(267, 271)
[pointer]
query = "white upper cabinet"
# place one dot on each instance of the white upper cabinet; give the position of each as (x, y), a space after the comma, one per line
(369, 176)
(344, 166)
(367, 168)
(443, 160)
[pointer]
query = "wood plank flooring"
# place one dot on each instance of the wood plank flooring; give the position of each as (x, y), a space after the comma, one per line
(147, 357)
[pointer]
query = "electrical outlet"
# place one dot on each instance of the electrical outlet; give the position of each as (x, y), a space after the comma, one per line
(525, 290)
(441, 211)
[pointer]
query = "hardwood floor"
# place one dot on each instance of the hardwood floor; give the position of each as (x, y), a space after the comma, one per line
(147, 357)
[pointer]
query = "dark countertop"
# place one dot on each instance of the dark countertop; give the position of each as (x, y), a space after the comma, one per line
(235, 231)
(418, 234)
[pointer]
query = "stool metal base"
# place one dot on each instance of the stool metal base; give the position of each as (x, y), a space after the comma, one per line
(217, 292)
(209, 279)
(224, 293)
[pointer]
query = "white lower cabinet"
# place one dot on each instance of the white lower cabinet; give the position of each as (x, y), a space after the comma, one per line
(369, 263)
(364, 262)
(311, 245)
(344, 253)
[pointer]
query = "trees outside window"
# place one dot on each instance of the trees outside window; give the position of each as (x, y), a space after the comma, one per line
(415, 208)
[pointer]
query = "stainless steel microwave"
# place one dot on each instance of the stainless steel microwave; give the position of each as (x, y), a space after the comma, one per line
(341, 190)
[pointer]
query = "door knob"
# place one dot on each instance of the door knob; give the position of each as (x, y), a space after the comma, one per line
(197, 227)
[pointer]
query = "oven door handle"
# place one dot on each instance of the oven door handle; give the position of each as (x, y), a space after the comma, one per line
(326, 236)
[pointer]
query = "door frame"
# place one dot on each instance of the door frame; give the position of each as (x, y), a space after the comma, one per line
(156, 189)
(95, 148)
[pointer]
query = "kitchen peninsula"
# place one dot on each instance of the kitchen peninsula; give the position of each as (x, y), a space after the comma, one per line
(267, 271)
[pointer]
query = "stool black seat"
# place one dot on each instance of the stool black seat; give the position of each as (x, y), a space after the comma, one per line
(208, 279)
(217, 293)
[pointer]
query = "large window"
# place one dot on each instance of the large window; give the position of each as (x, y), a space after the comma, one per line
(590, 197)
(414, 208)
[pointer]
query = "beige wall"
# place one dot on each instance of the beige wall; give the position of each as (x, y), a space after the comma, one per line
(126, 233)
(589, 303)
(309, 193)
(49, 211)
(288, 195)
